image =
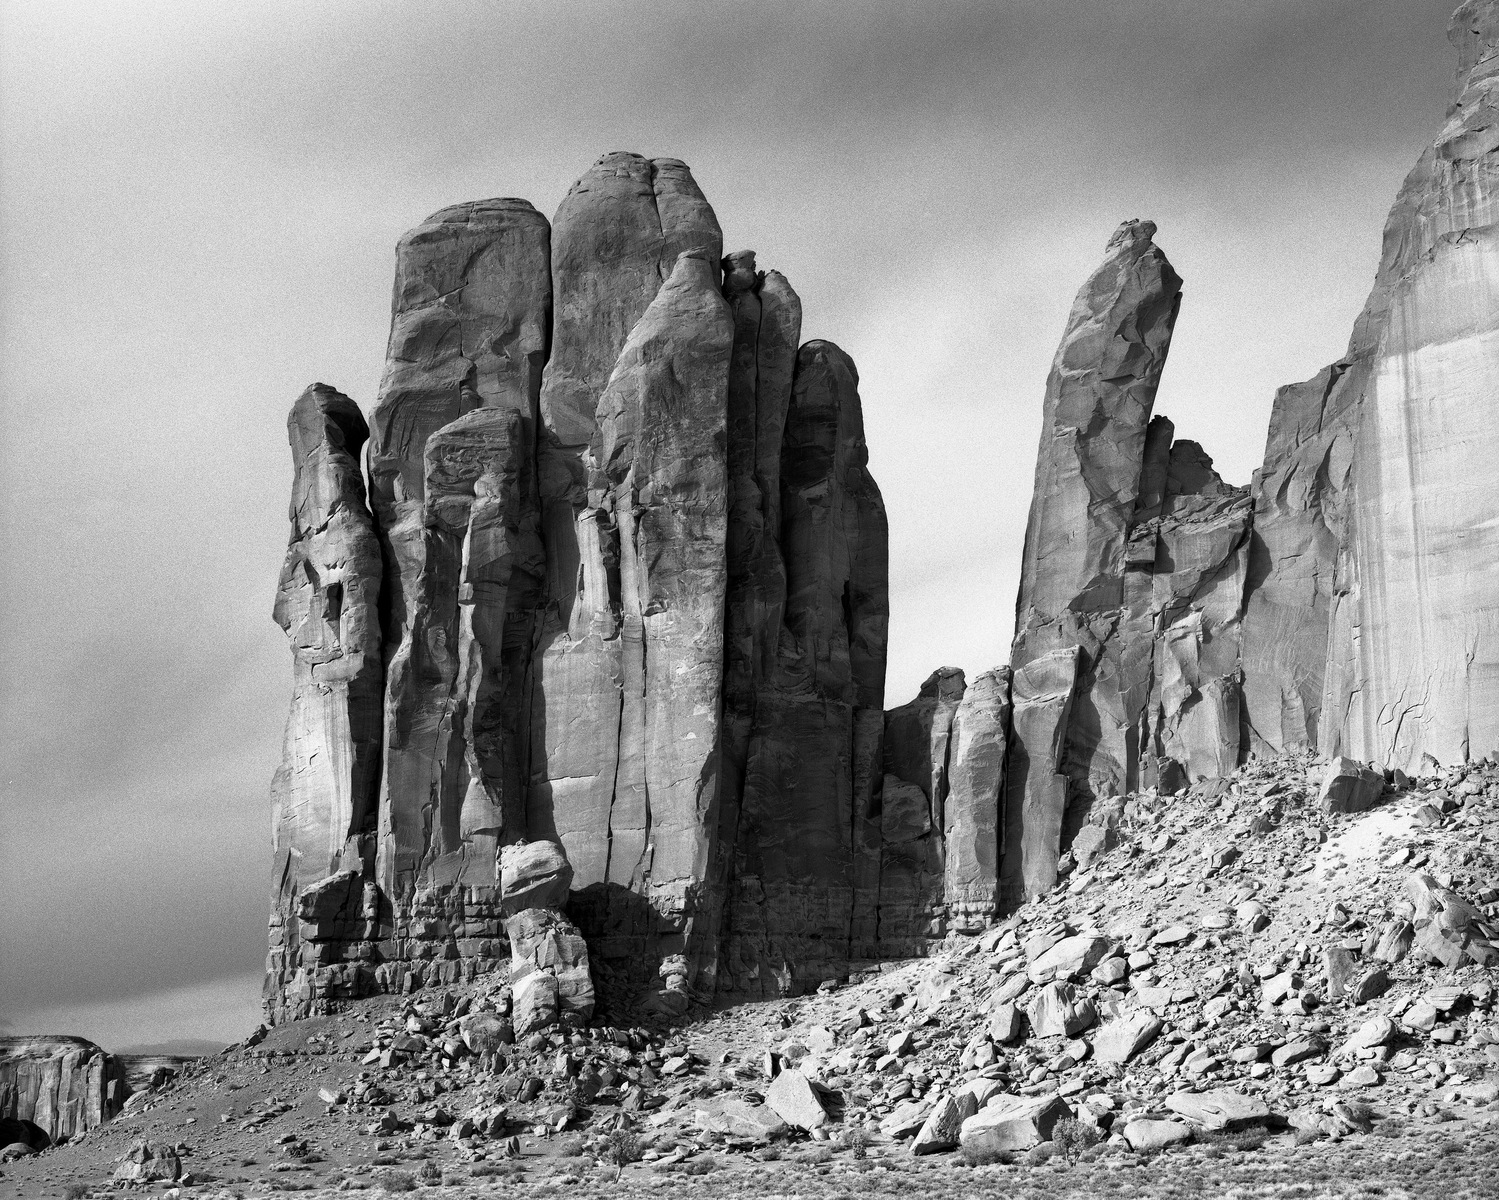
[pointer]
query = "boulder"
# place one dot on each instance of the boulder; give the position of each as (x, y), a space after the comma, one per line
(1119, 1040)
(534, 875)
(1011, 1123)
(1220, 1110)
(1005, 1023)
(793, 1098)
(735, 1118)
(545, 945)
(944, 1124)
(1071, 958)
(1059, 1010)
(1349, 787)
(1146, 1135)
(906, 1119)
(149, 1162)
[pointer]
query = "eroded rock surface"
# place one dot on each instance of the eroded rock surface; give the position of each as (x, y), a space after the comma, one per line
(59, 1086)
(1372, 627)
(323, 796)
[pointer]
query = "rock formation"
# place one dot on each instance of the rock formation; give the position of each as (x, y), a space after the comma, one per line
(323, 795)
(1132, 582)
(805, 877)
(1372, 627)
(623, 570)
(622, 590)
(58, 1087)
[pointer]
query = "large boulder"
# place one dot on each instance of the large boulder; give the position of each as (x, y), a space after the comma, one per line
(534, 875)
(1013, 1123)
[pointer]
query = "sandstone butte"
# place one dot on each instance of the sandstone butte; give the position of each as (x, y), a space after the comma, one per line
(614, 577)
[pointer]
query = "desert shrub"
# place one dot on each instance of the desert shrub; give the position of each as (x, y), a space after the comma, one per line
(815, 1156)
(570, 1147)
(399, 1181)
(429, 1173)
(1238, 1139)
(494, 1170)
(769, 1154)
(620, 1149)
(703, 1165)
(1305, 1137)
(76, 1191)
(1073, 1137)
(857, 1141)
(979, 1156)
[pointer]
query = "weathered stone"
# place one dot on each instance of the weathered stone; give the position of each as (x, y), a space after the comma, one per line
(1071, 958)
(1146, 1135)
(796, 1101)
(149, 1162)
(1368, 985)
(1090, 479)
(1395, 942)
(1448, 929)
(1009, 1123)
(917, 753)
(59, 1087)
(323, 796)
(1338, 967)
(470, 319)
(534, 875)
(544, 942)
(486, 1032)
(1035, 791)
(1060, 1011)
(453, 788)
(736, 1118)
(1220, 1110)
(1005, 1023)
(1119, 1040)
(945, 1123)
(906, 1120)
(1349, 787)
(971, 818)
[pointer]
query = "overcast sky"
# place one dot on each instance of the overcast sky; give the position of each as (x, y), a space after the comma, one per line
(200, 204)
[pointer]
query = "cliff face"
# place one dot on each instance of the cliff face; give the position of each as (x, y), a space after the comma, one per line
(621, 585)
(1371, 624)
(61, 1086)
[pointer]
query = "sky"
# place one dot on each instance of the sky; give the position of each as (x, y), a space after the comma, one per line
(199, 205)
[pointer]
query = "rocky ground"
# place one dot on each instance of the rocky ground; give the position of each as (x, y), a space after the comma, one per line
(1236, 992)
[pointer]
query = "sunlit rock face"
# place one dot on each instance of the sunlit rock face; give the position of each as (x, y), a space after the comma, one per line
(58, 1088)
(323, 796)
(1372, 619)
